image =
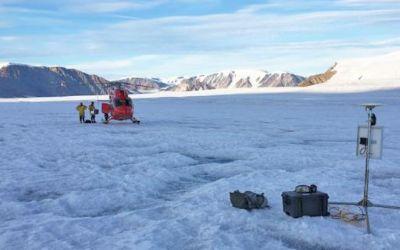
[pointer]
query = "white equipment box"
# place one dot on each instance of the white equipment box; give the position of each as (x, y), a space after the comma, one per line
(375, 148)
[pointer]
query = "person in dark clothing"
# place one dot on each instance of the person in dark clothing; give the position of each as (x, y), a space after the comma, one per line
(92, 109)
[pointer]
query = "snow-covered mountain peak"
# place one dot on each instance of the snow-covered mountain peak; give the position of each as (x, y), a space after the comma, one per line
(381, 70)
(4, 64)
(173, 80)
(241, 78)
(142, 84)
(245, 72)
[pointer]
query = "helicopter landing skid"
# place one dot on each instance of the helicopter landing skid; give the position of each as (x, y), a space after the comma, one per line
(134, 120)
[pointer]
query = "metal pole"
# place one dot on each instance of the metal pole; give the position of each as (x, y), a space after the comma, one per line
(366, 181)
(367, 154)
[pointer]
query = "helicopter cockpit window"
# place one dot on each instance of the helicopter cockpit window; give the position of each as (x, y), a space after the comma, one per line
(128, 101)
(117, 102)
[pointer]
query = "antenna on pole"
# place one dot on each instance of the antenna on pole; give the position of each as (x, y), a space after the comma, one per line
(369, 145)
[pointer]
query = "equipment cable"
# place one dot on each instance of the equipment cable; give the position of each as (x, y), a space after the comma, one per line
(347, 215)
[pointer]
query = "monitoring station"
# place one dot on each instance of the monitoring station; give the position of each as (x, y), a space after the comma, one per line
(369, 146)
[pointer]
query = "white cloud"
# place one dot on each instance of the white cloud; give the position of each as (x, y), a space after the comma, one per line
(369, 1)
(173, 45)
(84, 6)
(111, 6)
(8, 38)
(302, 58)
(228, 32)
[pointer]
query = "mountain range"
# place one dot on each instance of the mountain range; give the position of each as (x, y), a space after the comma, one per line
(18, 80)
(235, 79)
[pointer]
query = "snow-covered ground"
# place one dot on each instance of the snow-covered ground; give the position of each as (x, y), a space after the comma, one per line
(382, 70)
(315, 89)
(165, 184)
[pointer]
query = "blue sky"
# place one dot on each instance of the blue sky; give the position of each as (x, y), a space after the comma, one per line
(166, 38)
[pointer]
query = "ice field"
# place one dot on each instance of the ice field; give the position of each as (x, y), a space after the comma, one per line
(165, 184)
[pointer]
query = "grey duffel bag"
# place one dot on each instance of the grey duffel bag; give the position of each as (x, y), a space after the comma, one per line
(248, 200)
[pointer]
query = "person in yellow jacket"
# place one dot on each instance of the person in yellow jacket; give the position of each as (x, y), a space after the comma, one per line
(92, 109)
(81, 109)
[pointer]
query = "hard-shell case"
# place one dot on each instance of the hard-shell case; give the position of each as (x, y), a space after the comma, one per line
(310, 204)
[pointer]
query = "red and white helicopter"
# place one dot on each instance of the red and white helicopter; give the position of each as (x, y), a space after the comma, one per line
(119, 107)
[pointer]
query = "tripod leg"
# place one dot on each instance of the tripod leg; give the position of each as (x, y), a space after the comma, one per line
(385, 206)
(344, 203)
(367, 220)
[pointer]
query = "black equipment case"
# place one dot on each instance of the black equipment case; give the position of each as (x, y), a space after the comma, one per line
(297, 204)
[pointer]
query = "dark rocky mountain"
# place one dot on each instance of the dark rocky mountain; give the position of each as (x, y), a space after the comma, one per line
(319, 78)
(24, 81)
(18, 80)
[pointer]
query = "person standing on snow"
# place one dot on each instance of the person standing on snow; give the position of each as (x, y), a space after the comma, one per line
(92, 109)
(81, 109)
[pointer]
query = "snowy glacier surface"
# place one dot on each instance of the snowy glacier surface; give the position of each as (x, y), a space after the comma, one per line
(165, 184)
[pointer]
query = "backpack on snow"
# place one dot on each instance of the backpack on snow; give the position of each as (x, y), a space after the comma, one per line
(248, 200)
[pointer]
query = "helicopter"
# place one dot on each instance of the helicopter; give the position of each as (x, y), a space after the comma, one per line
(119, 107)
